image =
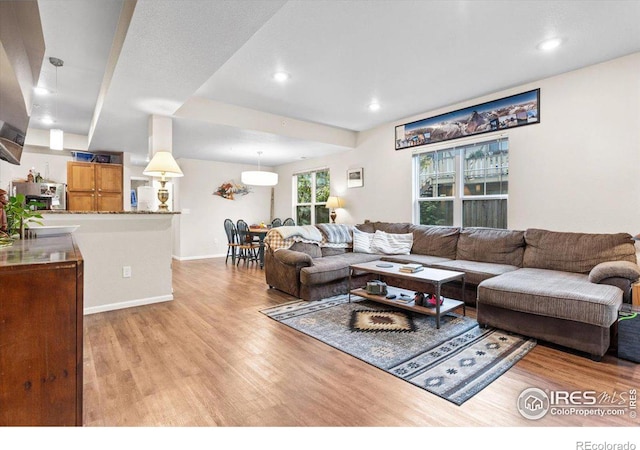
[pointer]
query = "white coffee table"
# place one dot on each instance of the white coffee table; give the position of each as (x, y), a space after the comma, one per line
(435, 277)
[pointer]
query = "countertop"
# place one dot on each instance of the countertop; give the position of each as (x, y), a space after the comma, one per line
(53, 249)
(58, 211)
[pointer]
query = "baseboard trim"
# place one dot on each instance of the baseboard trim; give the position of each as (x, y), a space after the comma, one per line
(191, 258)
(127, 304)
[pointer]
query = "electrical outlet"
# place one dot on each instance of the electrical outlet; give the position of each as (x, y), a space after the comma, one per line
(126, 271)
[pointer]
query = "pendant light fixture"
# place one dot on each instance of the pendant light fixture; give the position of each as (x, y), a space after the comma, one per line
(259, 177)
(56, 135)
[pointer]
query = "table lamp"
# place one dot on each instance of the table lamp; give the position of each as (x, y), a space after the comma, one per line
(164, 166)
(333, 203)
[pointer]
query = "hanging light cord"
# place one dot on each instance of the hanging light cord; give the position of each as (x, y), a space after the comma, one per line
(56, 62)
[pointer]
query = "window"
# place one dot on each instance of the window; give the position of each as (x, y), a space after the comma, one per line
(463, 186)
(311, 191)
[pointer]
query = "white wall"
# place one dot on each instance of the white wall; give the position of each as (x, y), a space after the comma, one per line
(578, 170)
(38, 159)
(200, 228)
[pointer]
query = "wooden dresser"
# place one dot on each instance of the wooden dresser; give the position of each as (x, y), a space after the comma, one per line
(41, 310)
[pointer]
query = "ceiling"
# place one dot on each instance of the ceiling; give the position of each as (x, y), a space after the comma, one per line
(209, 65)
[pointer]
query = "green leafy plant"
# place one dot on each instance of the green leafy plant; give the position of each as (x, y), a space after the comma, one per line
(20, 215)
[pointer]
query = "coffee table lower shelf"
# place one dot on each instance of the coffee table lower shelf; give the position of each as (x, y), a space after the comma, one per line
(447, 305)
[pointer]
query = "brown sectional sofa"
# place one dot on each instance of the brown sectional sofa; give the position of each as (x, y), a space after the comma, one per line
(565, 288)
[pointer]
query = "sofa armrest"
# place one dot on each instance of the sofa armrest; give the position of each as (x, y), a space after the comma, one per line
(293, 258)
(615, 269)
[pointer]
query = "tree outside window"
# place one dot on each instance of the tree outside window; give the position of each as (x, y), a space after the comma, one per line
(312, 193)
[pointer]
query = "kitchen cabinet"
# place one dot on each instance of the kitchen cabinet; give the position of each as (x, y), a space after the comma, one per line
(94, 187)
(41, 319)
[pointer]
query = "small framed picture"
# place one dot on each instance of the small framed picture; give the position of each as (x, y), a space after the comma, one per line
(355, 178)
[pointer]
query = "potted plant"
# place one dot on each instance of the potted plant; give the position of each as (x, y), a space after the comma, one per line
(19, 215)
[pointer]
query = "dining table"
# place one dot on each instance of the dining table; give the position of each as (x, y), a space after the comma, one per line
(260, 233)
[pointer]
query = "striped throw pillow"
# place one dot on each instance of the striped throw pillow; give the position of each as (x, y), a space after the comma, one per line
(336, 233)
(392, 244)
(362, 241)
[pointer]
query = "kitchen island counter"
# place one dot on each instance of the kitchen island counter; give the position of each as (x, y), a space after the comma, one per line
(127, 256)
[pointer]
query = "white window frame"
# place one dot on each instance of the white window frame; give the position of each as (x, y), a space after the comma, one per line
(459, 196)
(313, 203)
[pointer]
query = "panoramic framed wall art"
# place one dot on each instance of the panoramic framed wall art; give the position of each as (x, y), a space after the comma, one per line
(508, 112)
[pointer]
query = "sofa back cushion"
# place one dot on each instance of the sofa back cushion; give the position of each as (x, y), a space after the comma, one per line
(435, 241)
(332, 251)
(491, 245)
(392, 227)
(575, 252)
(367, 227)
(312, 250)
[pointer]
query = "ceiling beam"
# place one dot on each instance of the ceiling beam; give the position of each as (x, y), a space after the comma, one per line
(116, 47)
(202, 109)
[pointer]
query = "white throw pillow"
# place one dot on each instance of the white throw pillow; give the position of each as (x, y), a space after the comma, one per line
(362, 241)
(392, 244)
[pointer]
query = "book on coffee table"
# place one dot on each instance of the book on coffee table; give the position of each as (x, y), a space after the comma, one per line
(411, 268)
(404, 299)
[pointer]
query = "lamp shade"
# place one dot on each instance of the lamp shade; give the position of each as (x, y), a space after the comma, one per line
(335, 202)
(163, 165)
(259, 178)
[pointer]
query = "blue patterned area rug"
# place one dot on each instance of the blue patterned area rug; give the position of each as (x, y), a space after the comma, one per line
(454, 362)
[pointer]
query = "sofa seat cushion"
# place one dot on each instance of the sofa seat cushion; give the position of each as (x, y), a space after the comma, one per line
(425, 260)
(475, 271)
(551, 293)
(332, 268)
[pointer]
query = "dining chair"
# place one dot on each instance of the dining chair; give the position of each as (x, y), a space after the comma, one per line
(248, 248)
(232, 240)
(289, 222)
(277, 222)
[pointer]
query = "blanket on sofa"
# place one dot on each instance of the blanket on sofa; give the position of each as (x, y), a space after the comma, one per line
(308, 232)
(323, 235)
(284, 237)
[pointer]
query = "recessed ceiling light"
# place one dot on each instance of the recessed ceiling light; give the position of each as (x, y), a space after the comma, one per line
(550, 44)
(374, 106)
(41, 91)
(47, 120)
(281, 77)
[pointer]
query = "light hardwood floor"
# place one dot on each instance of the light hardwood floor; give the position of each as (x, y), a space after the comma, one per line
(210, 358)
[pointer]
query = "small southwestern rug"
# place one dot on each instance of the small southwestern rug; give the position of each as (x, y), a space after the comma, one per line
(454, 362)
(381, 321)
